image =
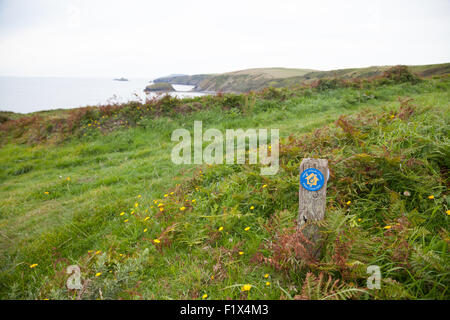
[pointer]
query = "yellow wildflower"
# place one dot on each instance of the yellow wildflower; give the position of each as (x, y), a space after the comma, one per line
(172, 192)
(156, 241)
(97, 252)
(252, 207)
(246, 287)
(267, 283)
(448, 212)
(126, 220)
(145, 230)
(348, 202)
(182, 208)
(266, 275)
(46, 192)
(388, 227)
(98, 274)
(161, 209)
(221, 228)
(139, 196)
(68, 178)
(34, 265)
(166, 195)
(146, 218)
(431, 197)
(160, 204)
(136, 205)
(205, 296)
(264, 186)
(246, 229)
(193, 201)
(241, 253)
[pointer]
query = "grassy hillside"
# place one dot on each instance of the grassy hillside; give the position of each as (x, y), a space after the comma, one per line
(246, 80)
(160, 86)
(96, 187)
(184, 79)
(238, 80)
(271, 73)
(256, 79)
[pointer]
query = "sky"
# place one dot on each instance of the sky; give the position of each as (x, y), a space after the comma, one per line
(142, 39)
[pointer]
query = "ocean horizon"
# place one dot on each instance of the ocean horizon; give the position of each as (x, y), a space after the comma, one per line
(31, 94)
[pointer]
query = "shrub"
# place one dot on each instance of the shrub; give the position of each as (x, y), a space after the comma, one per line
(3, 118)
(275, 93)
(400, 74)
(327, 84)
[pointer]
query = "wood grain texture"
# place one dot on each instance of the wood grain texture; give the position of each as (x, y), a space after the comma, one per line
(312, 203)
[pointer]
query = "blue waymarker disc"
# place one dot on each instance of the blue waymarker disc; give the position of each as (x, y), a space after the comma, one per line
(312, 179)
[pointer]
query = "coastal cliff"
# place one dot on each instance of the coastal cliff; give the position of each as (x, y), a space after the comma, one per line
(259, 78)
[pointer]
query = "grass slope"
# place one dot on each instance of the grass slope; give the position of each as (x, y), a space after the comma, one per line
(101, 198)
(258, 78)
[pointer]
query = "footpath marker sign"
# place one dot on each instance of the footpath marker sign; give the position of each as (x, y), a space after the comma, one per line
(312, 179)
(312, 198)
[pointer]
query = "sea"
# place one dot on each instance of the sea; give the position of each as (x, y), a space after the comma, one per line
(30, 94)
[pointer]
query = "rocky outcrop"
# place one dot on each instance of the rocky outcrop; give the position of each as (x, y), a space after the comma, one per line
(159, 87)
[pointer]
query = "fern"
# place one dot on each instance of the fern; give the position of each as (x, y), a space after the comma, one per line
(315, 288)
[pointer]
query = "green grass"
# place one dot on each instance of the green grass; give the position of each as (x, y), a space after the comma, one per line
(378, 152)
(259, 78)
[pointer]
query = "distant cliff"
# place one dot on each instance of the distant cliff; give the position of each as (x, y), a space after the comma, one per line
(256, 79)
(184, 79)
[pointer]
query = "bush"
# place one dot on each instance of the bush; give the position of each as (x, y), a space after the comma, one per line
(3, 118)
(400, 74)
(327, 84)
(275, 93)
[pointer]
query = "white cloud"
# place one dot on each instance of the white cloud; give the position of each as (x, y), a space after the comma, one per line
(153, 38)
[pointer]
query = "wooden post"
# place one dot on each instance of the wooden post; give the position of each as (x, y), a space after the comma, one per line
(312, 198)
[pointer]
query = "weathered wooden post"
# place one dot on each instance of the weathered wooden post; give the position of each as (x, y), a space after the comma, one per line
(312, 198)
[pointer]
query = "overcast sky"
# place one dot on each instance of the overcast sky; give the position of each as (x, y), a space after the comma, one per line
(108, 38)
